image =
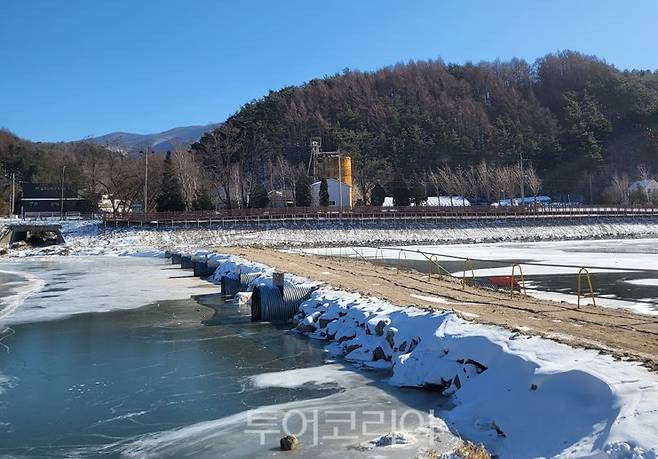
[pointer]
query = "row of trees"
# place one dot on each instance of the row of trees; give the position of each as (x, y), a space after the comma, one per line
(481, 184)
(575, 118)
(105, 174)
(622, 191)
(582, 124)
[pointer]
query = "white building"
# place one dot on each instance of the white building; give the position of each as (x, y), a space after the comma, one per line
(336, 189)
(447, 201)
(527, 201)
(435, 201)
(649, 186)
(281, 199)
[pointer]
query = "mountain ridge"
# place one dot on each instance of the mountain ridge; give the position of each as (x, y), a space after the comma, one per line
(159, 142)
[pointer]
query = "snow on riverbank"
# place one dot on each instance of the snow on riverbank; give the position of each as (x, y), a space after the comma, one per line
(91, 238)
(521, 396)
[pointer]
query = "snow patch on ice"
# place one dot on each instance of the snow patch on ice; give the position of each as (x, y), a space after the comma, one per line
(12, 302)
(652, 282)
(391, 440)
(7, 382)
(289, 379)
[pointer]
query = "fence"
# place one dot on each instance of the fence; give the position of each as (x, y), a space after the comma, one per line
(514, 284)
(308, 214)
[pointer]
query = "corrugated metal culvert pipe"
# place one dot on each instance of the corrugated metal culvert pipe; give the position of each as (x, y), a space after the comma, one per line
(230, 285)
(213, 264)
(246, 279)
(186, 262)
(201, 268)
(268, 303)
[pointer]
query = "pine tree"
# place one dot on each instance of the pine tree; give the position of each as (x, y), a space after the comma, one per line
(171, 196)
(258, 198)
(202, 200)
(417, 192)
(303, 192)
(377, 195)
(324, 193)
(401, 194)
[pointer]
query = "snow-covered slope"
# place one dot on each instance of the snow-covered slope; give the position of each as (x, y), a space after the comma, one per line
(90, 238)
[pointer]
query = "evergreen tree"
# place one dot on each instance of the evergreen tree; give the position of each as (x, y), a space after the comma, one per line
(585, 126)
(202, 200)
(377, 195)
(417, 192)
(303, 192)
(258, 198)
(324, 193)
(171, 196)
(401, 194)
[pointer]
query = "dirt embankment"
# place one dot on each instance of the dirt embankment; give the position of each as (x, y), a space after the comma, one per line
(624, 334)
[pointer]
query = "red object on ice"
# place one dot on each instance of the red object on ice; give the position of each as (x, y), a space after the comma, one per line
(505, 281)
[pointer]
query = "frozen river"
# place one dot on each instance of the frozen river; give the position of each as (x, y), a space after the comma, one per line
(631, 280)
(109, 356)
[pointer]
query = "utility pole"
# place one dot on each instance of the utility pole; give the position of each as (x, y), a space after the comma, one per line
(340, 184)
(61, 202)
(591, 195)
(522, 179)
(13, 194)
(146, 180)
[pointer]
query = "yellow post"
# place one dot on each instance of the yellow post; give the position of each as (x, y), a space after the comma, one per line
(467, 263)
(522, 284)
(400, 258)
(589, 284)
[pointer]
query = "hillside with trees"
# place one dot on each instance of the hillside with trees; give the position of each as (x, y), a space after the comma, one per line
(102, 174)
(579, 124)
(584, 129)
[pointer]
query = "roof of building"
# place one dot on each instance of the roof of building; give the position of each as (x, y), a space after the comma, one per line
(330, 180)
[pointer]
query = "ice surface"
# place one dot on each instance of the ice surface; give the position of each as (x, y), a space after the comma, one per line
(108, 283)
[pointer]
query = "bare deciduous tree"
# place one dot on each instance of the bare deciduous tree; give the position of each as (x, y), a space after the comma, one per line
(121, 182)
(187, 172)
(619, 188)
(484, 180)
(533, 181)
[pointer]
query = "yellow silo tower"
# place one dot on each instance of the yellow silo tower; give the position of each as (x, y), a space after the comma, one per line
(330, 165)
(338, 167)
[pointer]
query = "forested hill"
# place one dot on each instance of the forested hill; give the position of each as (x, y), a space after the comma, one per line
(574, 117)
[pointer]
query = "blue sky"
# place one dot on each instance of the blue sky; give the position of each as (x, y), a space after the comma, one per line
(76, 68)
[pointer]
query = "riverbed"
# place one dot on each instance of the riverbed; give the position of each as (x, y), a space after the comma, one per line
(131, 357)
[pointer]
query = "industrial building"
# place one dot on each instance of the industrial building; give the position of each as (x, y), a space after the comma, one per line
(340, 194)
(334, 166)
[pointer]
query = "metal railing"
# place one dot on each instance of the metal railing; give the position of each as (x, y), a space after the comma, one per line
(366, 213)
(514, 284)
